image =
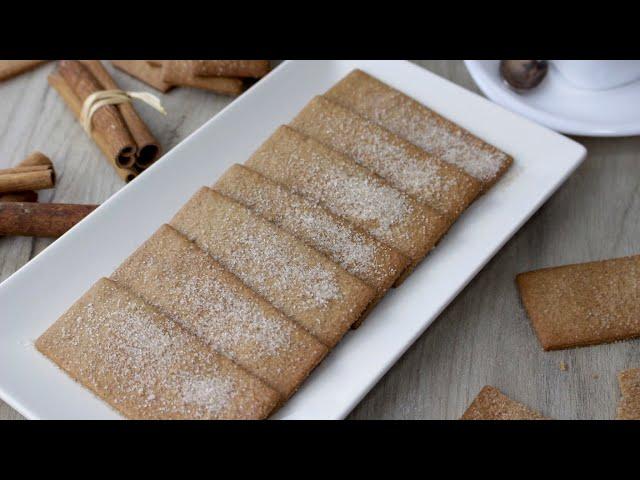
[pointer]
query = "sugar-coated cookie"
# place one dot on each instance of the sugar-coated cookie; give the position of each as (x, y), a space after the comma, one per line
(186, 284)
(583, 304)
(349, 191)
(491, 404)
(407, 118)
(297, 279)
(146, 366)
(363, 256)
(405, 166)
(629, 406)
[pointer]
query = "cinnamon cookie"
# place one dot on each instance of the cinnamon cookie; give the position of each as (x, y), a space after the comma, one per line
(420, 125)
(190, 287)
(146, 366)
(295, 278)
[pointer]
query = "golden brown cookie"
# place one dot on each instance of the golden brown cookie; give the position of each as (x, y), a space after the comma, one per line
(583, 304)
(230, 68)
(491, 404)
(190, 287)
(143, 70)
(350, 191)
(406, 167)
(146, 366)
(11, 68)
(411, 120)
(295, 278)
(358, 253)
(179, 72)
(629, 406)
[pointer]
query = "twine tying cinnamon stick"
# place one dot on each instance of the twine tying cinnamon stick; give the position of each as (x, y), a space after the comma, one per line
(148, 147)
(99, 99)
(115, 126)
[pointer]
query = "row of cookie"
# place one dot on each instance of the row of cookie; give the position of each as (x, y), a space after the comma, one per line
(255, 235)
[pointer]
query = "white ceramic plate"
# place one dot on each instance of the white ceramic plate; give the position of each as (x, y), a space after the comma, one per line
(559, 105)
(34, 297)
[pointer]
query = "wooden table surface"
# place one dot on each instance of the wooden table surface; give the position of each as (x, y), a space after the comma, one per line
(482, 338)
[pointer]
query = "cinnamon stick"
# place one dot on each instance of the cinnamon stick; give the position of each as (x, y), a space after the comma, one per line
(15, 180)
(26, 196)
(11, 68)
(180, 72)
(40, 219)
(148, 148)
(106, 120)
(36, 158)
(145, 71)
(230, 68)
(26, 168)
(74, 104)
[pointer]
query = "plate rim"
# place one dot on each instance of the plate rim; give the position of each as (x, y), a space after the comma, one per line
(497, 94)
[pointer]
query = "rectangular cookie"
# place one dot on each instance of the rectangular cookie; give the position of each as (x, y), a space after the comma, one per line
(629, 406)
(349, 191)
(406, 167)
(146, 366)
(11, 68)
(358, 253)
(188, 286)
(295, 278)
(583, 304)
(230, 68)
(145, 71)
(491, 404)
(178, 72)
(411, 120)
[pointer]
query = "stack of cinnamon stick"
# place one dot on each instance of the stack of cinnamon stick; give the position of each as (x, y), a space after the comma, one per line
(228, 77)
(118, 130)
(20, 214)
(19, 184)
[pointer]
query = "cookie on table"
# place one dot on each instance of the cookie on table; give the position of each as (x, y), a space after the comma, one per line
(297, 279)
(358, 253)
(406, 167)
(187, 285)
(146, 71)
(491, 404)
(146, 366)
(349, 191)
(583, 304)
(423, 127)
(230, 68)
(629, 406)
(180, 72)
(11, 68)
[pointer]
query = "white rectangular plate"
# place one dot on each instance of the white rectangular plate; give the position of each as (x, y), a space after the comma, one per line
(36, 295)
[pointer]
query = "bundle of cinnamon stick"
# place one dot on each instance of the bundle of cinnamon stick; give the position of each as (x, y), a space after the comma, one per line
(228, 77)
(20, 214)
(118, 130)
(19, 184)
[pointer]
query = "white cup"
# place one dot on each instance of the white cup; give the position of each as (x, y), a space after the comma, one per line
(598, 74)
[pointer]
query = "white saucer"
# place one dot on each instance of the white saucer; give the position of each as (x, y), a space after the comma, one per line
(561, 106)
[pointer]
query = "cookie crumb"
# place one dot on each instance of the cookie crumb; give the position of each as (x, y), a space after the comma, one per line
(563, 366)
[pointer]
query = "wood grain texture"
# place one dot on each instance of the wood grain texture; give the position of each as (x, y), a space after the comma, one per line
(483, 337)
